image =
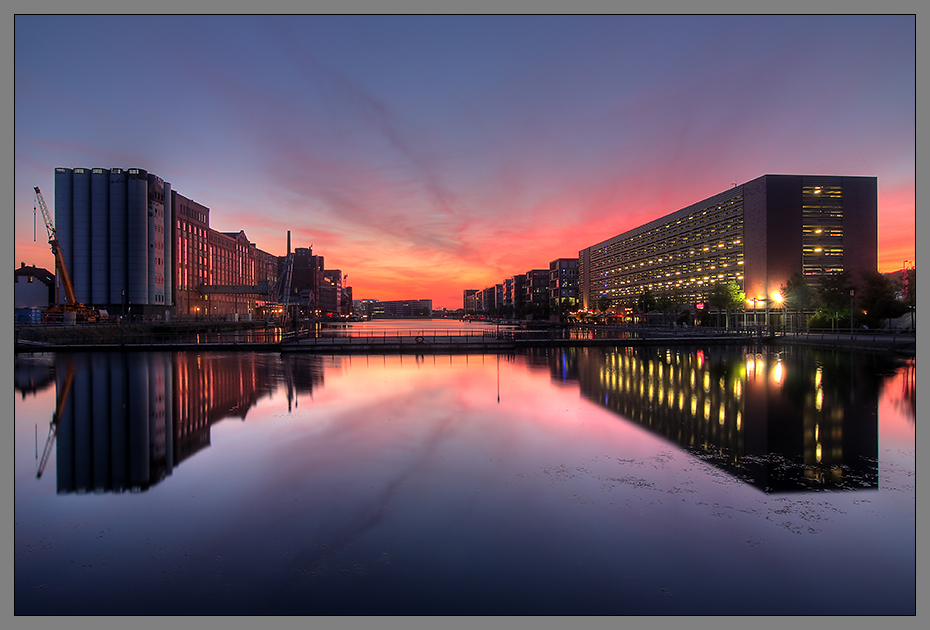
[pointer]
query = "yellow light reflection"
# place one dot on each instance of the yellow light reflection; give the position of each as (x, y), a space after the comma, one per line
(707, 410)
(819, 401)
(778, 373)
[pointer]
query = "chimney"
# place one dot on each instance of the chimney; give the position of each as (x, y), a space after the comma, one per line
(288, 242)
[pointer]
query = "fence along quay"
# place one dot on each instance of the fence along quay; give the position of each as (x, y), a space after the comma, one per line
(336, 340)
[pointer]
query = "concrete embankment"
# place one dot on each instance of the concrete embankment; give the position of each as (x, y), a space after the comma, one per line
(879, 341)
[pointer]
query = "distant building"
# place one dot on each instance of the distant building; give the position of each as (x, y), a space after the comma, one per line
(536, 292)
(364, 307)
(755, 235)
(563, 283)
(470, 301)
(33, 287)
(396, 309)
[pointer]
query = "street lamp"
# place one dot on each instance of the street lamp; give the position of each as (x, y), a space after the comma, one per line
(852, 293)
(777, 297)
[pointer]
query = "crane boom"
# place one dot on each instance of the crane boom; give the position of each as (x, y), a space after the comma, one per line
(56, 419)
(56, 251)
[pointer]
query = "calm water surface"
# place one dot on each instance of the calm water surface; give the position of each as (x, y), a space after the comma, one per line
(563, 481)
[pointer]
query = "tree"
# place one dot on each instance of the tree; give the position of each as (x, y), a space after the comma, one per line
(797, 293)
(833, 295)
(646, 302)
(878, 299)
(603, 303)
(726, 297)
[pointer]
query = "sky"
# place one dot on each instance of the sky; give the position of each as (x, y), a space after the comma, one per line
(426, 155)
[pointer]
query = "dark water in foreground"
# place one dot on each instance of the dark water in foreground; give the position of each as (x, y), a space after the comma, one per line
(565, 481)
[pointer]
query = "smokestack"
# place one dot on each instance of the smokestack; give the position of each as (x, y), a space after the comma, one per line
(288, 242)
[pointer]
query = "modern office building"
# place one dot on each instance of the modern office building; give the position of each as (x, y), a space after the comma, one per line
(756, 235)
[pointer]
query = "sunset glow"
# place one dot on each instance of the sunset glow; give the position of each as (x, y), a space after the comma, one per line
(425, 155)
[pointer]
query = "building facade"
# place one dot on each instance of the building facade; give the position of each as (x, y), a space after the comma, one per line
(134, 246)
(563, 283)
(755, 235)
(391, 309)
(112, 226)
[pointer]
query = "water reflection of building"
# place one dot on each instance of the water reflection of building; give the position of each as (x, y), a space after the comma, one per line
(302, 372)
(128, 419)
(783, 421)
(33, 372)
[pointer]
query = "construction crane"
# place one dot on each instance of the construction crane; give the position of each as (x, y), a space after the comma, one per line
(71, 303)
(56, 418)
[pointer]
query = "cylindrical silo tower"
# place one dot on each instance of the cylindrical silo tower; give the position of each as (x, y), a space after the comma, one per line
(117, 234)
(80, 270)
(100, 237)
(137, 238)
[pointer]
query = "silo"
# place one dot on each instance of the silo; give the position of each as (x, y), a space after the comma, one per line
(64, 218)
(137, 238)
(100, 237)
(80, 270)
(117, 234)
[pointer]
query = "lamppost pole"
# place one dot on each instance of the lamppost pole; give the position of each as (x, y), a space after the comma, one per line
(852, 293)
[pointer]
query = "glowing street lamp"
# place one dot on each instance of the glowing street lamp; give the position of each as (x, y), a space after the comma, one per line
(777, 298)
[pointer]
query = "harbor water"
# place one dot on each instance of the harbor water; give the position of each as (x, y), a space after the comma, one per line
(578, 481)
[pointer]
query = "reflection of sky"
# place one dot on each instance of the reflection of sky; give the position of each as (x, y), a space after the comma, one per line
(401, 479)
(463, 150)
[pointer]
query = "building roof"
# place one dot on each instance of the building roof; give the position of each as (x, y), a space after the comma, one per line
(36, 272)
